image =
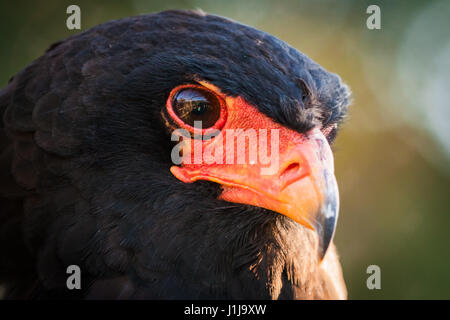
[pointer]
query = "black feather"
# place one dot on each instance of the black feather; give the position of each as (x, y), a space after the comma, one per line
(85, 166)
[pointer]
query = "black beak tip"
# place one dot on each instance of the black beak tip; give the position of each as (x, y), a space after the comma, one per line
(325, 225)
(325, 231)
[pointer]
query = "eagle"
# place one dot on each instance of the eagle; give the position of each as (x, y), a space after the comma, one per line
(90, 139)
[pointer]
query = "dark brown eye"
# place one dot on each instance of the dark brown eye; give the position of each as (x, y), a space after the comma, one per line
(194, 104)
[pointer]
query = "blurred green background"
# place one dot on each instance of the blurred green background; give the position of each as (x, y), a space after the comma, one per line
(393, 153)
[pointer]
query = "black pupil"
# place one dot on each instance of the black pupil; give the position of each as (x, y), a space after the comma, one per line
(200, 108)
(193, 104)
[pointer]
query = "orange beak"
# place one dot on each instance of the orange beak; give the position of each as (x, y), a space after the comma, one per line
(299, 182)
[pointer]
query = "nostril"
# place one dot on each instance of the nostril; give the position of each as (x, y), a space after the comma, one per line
(290, 174)
(290, 171)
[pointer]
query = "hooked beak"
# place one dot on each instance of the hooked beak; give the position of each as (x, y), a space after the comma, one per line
(303, 187)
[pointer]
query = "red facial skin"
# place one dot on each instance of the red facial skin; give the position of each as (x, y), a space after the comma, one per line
(301, 186)
(296, 189)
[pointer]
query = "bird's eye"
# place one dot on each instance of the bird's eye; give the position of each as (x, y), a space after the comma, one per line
(192, 104)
